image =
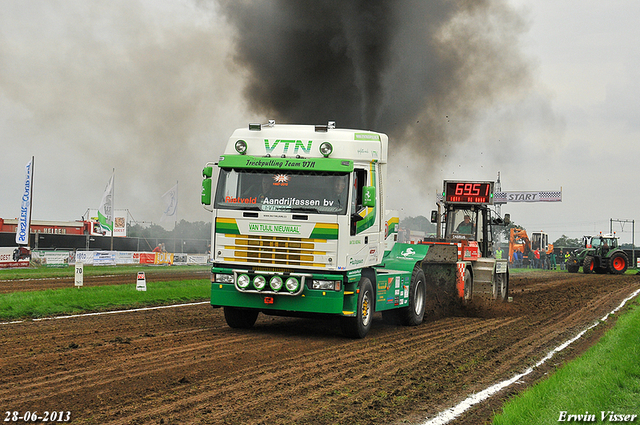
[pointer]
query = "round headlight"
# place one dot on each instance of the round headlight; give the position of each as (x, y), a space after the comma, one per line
(259, 282)
(275, 283)
(292, 284)
(243, 281)
(326, 149)
(241, 147)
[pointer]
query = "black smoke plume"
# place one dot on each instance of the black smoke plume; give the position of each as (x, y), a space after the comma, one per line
(419, 70)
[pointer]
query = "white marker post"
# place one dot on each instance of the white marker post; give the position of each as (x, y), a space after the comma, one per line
(141, 285)
(79, 279)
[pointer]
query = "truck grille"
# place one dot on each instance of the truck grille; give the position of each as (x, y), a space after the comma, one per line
(276, 250)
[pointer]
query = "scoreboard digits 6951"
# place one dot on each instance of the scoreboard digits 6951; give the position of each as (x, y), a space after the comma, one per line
(466, 192)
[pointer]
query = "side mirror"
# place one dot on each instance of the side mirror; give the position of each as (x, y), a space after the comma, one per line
(206, 192)
(507, 219)
(369, 196)
(434, 216)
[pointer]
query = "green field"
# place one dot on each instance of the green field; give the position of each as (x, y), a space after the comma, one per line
(72, 300)
(604, 381)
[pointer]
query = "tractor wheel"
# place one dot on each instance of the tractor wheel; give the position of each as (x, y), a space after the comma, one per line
(573, 265)
(413, 314)
(240, 318)
(618, 263)
(587, 265)
(501, 287)
(468, 287)
(573, 268)
(358, 326)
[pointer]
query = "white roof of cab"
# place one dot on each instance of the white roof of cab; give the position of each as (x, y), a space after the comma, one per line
(291, 140)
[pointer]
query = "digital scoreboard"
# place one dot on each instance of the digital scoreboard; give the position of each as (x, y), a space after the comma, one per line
(466, 192)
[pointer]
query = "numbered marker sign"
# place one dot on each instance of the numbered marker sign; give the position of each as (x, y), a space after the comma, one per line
(79, 279)
(142, 282)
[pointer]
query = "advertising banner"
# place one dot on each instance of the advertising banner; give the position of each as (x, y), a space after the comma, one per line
(85, 257)
(7, 255)
(51, 258)
(163, 258)
(104, 258)
(119, 222)
(147, 258)
(180, 259)
(197, 259)
(127, 257)
(24, 219)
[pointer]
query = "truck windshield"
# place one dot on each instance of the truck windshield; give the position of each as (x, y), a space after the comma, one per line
(322, 193)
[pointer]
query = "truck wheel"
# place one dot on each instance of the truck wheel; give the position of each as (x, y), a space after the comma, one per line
(413, 314)
(618, 263)
(501, 287)
(240, 318)
(358, 326)
(587, 265)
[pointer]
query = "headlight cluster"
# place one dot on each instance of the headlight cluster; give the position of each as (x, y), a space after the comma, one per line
(259, 282)
(223, 278)
(326, 285)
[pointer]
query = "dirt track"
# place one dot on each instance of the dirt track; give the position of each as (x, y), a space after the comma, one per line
(184, 365)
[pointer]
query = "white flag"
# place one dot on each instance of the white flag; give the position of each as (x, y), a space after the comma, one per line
(171, 204)
(105, 213)
(24, 220)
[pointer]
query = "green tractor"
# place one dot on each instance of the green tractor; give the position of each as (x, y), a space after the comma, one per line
(600, 254)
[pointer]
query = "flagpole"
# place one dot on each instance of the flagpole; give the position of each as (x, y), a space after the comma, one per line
(175, 222)
(31, 204)
(113, 211)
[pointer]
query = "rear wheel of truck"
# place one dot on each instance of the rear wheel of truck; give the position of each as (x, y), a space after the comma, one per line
(587, 265)
(618, 263)
(240, 318)
(413, 314)
(358, 326)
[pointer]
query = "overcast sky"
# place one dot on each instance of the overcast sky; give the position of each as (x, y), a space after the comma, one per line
(150, 88)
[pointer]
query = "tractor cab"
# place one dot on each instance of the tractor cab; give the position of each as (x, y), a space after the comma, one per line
(604, 243)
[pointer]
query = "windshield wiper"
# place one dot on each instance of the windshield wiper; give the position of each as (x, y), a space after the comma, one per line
(305, 210)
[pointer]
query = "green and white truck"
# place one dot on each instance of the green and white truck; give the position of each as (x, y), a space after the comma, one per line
(300, 228)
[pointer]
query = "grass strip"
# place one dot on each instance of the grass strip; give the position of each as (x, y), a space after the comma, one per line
(604, 381)
(68, 271)
(51, 302)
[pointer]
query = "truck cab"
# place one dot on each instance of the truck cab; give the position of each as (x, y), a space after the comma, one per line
(298, 219)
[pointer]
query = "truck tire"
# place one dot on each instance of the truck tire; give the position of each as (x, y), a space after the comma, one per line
(240, 318)
(618, 263)
(413, 314)
(358, 326)
(501, 287)
(587, 265)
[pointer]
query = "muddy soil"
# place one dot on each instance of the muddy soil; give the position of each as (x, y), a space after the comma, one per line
(184, 365)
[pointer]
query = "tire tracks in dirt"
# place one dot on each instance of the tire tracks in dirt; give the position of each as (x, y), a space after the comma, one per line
(184, 365)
